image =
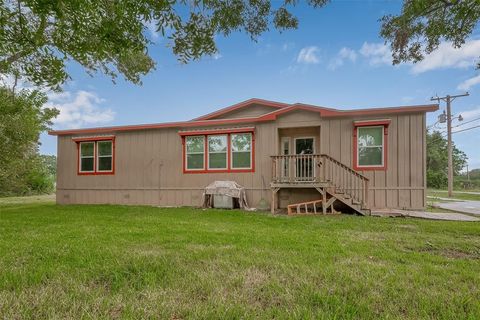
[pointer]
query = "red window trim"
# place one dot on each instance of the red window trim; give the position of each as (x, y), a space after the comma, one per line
(98, 138)
(371, 123)
(215, 131)
(95, 140)
(205, 134)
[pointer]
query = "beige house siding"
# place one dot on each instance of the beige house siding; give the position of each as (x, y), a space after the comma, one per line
(148, 164)
(148, 170)
(402, 185)
(254, 110)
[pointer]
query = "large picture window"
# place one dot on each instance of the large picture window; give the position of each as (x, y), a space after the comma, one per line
(370, 145)
(95, 155)
(218, 151)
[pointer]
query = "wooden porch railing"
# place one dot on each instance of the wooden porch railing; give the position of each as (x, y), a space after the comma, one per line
(316, 168)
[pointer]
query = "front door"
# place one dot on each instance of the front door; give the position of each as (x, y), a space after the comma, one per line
(304, 168)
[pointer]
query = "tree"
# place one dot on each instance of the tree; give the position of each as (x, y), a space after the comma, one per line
(475, 174)
(423, 24)
(38, 38)
(437, 160)
(49, 162)
(22, 119)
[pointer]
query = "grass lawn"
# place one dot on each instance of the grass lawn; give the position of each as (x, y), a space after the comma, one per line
(456, 195)
(143, 262)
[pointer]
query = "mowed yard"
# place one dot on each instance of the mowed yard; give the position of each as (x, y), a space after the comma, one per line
(179, 263)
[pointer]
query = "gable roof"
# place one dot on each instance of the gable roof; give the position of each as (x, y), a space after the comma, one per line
(242, 105)
(280, 109)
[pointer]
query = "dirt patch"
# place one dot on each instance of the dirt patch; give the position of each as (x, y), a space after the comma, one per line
(253, 278)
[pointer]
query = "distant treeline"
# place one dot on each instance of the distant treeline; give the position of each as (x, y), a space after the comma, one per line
(468, 181)
(437, 161)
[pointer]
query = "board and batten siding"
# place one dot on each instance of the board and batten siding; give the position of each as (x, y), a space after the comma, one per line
(402, 184)
(148, 170)
(148, 165)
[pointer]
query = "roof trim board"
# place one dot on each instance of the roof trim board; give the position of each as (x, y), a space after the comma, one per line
(215, 131)
(241, 105)
(281, 109)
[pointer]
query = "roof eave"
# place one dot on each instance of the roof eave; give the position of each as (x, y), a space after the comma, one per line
(272, 116)
(269, 103)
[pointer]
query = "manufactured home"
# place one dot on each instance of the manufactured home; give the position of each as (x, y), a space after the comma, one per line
(358, 160)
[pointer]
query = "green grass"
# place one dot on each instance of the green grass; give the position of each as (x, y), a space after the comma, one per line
(432, 208)
(45, 198)
(143, 262)
(456, 195)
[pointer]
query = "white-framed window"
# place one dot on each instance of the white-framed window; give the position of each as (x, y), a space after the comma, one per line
(87, 157)
(241, 150)
(370, 146)
(195, 152)
(217, 151)
(105, 156)
(96, 155)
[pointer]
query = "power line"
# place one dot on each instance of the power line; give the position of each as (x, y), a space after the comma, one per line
(461, 124)
(433, 125)
(466, 129)
(448, 99)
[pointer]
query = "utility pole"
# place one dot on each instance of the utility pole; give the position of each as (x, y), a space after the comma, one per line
(448, 99)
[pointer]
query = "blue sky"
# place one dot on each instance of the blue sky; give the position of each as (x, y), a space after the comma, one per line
(335, 59)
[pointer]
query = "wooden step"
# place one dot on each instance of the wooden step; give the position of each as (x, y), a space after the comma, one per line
(296, 208)
(349, 202)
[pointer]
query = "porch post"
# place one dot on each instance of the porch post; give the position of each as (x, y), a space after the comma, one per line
(324, 201)
(273, 203)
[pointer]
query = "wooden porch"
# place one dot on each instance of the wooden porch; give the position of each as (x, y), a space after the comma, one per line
(335, 181)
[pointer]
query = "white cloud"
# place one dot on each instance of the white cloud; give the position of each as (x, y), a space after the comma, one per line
(309, 55)
(79, 109)
(447, 56)
(467, 84)
(444, 57)
(76, 109)
(348, 53)
(343, 55)
(376, 53)
(9, 81)
(152, 29)
(470, 114)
